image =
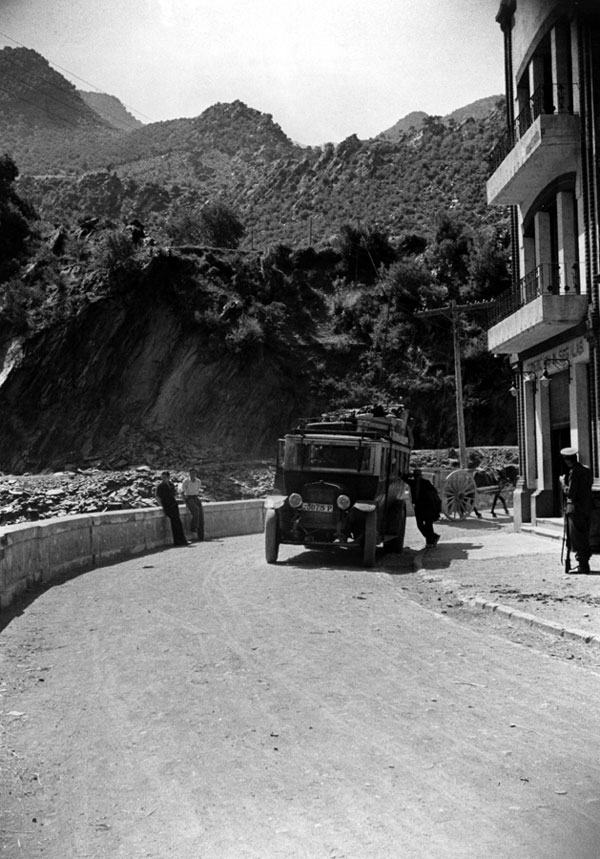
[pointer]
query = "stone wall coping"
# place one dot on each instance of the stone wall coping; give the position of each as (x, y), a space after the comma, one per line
(82, 520)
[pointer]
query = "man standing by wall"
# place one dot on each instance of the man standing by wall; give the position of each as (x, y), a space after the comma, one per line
(165, 492)
(577, 488)
(191, 489)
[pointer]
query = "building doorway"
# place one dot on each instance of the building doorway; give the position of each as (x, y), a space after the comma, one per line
(560, 434)
(560, 437)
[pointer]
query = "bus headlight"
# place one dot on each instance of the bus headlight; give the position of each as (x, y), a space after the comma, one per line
(295, 500)
(343, 502)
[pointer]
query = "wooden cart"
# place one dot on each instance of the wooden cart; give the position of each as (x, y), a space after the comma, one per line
(459, 491)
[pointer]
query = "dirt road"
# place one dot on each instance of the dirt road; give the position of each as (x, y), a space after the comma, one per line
(200, 704)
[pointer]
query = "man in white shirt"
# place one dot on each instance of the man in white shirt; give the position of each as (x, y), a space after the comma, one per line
(191, 489)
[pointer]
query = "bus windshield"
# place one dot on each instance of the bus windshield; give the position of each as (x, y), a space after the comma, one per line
(346, 457)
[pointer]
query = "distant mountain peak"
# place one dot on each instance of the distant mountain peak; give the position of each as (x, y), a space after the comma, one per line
(38, 95)
(242, 123)
(111, 109)
(238, 111)
(478, 109)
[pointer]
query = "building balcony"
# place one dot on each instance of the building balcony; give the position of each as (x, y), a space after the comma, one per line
(526, 317)
(542, 144)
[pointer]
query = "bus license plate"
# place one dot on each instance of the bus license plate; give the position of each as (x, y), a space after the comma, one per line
(318, 508)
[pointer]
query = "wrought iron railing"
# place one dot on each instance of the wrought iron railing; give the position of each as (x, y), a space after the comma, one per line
(542, 280)
(548, 99)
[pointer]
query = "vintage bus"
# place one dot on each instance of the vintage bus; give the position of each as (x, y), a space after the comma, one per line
(339, 480)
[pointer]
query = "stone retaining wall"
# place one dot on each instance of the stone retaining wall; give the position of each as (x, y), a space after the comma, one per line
(38, 552)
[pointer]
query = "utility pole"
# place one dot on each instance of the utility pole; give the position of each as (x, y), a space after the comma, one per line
(452, 312)
(460, 409)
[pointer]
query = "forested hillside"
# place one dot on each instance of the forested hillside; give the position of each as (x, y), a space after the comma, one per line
(209, 278)
(74, 163)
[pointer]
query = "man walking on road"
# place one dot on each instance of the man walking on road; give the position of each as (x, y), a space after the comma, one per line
(577, 488)
(191, 489)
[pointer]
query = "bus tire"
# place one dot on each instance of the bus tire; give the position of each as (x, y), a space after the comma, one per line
(271, 537)
(370, 540)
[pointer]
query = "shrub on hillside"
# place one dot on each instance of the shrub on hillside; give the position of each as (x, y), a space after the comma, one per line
(117, 258)
(220, 226)
(15, 217)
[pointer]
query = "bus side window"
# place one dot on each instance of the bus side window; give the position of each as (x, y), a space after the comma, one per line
(291, 458)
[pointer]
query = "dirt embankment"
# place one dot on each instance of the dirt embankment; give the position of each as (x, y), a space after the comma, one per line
(30, 497)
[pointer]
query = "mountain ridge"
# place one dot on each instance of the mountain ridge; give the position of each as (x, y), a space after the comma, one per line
(415, 120)
(235, 154)
(111, 109)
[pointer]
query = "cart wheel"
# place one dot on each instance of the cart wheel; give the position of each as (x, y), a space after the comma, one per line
(458, 495)
(271, 537)
(370, 540)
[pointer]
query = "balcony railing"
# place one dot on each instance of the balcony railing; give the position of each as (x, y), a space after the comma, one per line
(548, 99)
(543, 280)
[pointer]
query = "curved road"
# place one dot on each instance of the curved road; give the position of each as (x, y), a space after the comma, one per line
(200, 704)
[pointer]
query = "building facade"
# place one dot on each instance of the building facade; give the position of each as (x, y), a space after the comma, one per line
(546, 169)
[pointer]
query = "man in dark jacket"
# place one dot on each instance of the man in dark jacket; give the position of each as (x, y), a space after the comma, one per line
(165, 492)
(426, 504)
(577, 488)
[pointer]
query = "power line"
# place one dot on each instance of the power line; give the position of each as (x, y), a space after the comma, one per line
(7, 59)
(73, 107)
(40, 107)
(83, 80)
(112, 144)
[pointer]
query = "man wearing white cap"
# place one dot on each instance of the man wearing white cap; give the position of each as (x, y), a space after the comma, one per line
(577, 487)
(191, 489)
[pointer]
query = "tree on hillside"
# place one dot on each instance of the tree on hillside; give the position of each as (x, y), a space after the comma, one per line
(214, 225)
(220, 226)
(183, 228)
(117, 259)
(449, 256)
(15, 217)
(411, 244)
(489, 267)
(363, 250)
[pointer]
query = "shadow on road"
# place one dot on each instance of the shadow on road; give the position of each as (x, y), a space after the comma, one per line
(443, 555)
(498, 524)
(349, 558)
(22, 601)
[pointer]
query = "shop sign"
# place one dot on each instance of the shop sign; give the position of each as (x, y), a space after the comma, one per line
(573, 352)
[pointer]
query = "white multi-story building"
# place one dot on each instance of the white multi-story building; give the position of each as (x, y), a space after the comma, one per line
(547, 170)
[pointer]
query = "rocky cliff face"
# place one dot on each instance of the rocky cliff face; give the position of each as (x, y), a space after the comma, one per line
(130, 382)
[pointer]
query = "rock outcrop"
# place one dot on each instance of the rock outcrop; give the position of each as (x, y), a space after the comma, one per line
(131, 380)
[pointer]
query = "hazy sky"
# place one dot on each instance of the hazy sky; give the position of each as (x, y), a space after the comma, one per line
(325, 69)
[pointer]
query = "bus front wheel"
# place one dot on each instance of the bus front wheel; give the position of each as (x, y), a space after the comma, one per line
(271, 537)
